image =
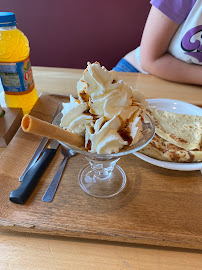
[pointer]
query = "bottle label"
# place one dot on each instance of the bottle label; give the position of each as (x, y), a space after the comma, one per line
(17, 77)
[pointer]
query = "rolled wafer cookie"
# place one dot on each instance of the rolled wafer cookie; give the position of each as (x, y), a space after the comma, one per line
(39, 127)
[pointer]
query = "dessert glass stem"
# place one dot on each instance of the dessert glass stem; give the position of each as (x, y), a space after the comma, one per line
(102, 178)
(102, 170)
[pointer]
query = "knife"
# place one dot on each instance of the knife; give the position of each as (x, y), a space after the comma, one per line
(32, 177)
(39, 149)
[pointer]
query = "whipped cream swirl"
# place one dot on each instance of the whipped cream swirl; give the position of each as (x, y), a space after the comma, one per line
(107, 112)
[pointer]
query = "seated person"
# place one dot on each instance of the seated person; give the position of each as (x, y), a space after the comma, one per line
(171, 45)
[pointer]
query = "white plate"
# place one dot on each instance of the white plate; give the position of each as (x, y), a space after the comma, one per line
(175, 106)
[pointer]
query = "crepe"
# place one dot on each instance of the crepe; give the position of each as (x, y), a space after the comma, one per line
(178, 137)
(160, 149)
(182, 130)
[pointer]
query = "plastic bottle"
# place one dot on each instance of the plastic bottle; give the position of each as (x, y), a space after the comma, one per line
(15, 66)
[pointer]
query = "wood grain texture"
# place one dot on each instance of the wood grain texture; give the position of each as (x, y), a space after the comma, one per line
(157, 207)
(63, 81)
(9, 124)
(27, 251)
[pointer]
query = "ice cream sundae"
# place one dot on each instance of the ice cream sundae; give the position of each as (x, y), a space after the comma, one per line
(107, 113)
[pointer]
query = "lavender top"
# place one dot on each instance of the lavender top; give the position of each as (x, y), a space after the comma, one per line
(176, 10)
(186, 44)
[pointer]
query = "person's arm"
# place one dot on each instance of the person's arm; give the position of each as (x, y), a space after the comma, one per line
(155, 59)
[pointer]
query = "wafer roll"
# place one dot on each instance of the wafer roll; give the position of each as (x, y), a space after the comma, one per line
(36, 126)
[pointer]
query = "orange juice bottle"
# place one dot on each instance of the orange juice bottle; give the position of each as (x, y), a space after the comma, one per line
(15, 66)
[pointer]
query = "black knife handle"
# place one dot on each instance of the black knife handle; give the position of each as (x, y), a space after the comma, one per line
(32, 177)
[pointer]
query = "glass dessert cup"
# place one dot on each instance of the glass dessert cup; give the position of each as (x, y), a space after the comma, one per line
(102, 177)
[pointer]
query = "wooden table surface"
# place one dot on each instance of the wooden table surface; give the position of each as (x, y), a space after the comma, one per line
(29, 251)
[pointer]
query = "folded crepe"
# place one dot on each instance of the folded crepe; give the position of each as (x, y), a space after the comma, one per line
(178, 137)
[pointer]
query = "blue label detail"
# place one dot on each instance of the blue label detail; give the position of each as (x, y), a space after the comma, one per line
(17, 77)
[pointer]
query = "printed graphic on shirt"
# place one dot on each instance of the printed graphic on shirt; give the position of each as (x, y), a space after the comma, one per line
(192, 43)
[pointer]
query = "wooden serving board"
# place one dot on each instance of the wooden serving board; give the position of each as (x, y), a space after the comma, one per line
(157, 207)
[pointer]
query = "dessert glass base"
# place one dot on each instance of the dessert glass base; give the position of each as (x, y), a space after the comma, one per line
(102, 177)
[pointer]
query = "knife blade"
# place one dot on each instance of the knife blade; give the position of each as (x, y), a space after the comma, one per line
(39, 149)
(32, 177)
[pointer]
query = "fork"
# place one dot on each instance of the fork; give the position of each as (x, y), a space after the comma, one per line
(51, 190)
